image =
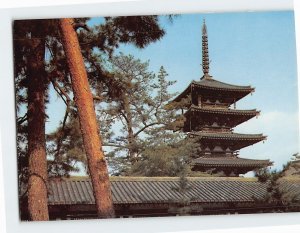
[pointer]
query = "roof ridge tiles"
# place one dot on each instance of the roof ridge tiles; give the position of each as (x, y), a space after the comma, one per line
(154, 178)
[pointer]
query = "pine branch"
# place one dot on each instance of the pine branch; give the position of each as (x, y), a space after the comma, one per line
(61, 92)
(145, 127)
(67, 100)
(125, 117)
(76, 26)
(63, 135)
(22, 119)
(97, 98)
(114, 145)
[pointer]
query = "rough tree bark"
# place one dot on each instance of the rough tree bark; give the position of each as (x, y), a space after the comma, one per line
(87, 118)
(37, 182)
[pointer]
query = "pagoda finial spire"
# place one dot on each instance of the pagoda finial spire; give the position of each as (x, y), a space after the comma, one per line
(205, 56)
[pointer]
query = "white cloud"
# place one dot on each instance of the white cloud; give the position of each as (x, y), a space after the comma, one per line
(282, 131)
(271, 122)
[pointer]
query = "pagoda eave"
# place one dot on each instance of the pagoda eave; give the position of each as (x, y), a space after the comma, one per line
(227, 136)
(196, 116)
(228, 166)
(212, 85)
(231, 162)
(234, 140)
(223, 111)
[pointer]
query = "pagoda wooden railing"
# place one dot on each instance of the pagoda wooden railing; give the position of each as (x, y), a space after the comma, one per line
(214, 129)
(214, 105)
(220, 154)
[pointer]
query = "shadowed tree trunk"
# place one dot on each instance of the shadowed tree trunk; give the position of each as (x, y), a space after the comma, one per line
(87, 118)
(37, 182)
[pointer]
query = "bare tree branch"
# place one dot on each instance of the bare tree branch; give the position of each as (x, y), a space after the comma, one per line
(81, 25)
(114, 145)
(61, 92)
(67, 100)
(97, 98)
(145, 127)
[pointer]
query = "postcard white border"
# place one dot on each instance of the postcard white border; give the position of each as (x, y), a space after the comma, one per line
(8, 181)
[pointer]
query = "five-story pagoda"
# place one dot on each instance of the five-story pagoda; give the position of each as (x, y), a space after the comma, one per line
(210, 118)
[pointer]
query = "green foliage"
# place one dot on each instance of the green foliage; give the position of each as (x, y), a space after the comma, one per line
(138, 30)
(266, 174)
(292, 168)
(138, 113)
(99, 43)
(165, 158)
(103, 38)
(274, 194)
(296, 157)
(137, 126)
(278, 194)
(294, 164)
(65, 149)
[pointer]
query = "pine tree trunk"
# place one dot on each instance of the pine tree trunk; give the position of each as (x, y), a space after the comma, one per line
(87, 118)
(37, 183)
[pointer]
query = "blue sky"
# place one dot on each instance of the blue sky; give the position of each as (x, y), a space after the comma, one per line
(256, 49)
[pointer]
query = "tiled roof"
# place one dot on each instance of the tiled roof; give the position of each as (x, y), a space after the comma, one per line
(228, 135)
(215, 84)
(131, 190)
(251, 112)
(231, 162)
(212, 84)
(157, 190)
(290, 189)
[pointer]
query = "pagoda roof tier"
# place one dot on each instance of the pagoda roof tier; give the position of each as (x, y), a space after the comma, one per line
(229, 135)
(231, 162)
(198, 115)
(210, 85)
(250, 112)
(213, 84)
(236, 140)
